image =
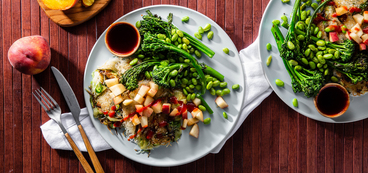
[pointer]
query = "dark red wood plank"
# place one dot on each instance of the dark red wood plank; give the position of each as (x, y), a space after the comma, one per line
(256, 138)
(3, 60)
(348, 147)
(365, 145)
(358, 147)
(339, 148)
(275, 135)
(265, 134)
(293, 141)
(302, 144)
(311, 146)
(284, 137)
(329, 147)
(321, 147)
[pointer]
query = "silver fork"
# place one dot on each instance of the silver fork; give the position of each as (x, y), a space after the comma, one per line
(53, 111)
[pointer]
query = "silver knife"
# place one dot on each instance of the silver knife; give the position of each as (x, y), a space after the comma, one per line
(73, 105)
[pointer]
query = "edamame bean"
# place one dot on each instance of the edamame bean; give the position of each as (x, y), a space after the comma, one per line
(210, 35)
(194, 74)
(189, 90)
(173, 31)
(313, 48)
(215, 83)
(191, 50)
(186, 41)
(315, 60)
(285, 25)
(268, 46)
(276, 22)
(327, 56)
(300, 37)
(207, 27)
(179, 40)
(308, 20)
(219, 93)
(198, 87)
(325, 66)
(308, 12)
(314, 5)
(140, 56)
(187, 61)
(180, 46)
(312, 65)
(225, 115)
(133, 62)
(147, 74)
(225, 91)
(193, 96)
(209, 85)
(174, 73)
(198, 54)
(298, 68)
(332, 51)
(226, 50)
(138, 24)
(180, 33)
(284, 18)
(189, 97)
(223, 84)
(161, 36)
(326, 72)
(290, 45)
(194, 81)
(321, 43)
(213, 91)
(174, 37)
(293, 62)
(185, 91)
(319, 65)
(198, 35)
(185, 47)
(337, 54)
(303, 15)
(295, 102)
(319, 53)
(279, 83)
(319, 34)
(191, 86)
(172, 82)
(202, 108)
(200, 30)
(185, 19)
(334, 79)
(315, 32)
(207, 120)
(322, 48)
(305, 61)
(307, 52)
(321, 59)
(269, 59)
(209, 79)
(235, 87)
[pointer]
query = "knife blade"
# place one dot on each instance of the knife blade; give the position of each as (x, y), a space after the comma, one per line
(68, 94)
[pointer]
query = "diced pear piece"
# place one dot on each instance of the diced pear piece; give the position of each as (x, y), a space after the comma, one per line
(148, 101)
(117, 89)
(341, 10)
(221, 102)
(135, 120)
(185, 123)
(357, 30)
(194, 131)
(356, 38)
(197, 101)
(147, 112)
(152, 92)
(153, 85)
(118, 99)
(358, 18)
(111, 82)
(143, 90)
(185, 114)
(138, 98)
(127, 102)
(157, 107)
(365, 16)
(144, 121)
(198, 114)
(139, 109)
(192, 121)
(174, 112)
(365, 38)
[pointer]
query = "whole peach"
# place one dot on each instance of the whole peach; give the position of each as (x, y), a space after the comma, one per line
(30, 55)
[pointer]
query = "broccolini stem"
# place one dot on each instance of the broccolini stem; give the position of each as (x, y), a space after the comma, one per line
(199, 45)
(209, 70)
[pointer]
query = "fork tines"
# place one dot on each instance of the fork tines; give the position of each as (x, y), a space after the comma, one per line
(46, 101)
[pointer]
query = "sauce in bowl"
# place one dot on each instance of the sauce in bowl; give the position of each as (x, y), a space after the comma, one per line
(332, 100)
(122, 39)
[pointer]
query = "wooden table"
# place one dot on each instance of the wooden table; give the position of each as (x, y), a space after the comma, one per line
(273, 138)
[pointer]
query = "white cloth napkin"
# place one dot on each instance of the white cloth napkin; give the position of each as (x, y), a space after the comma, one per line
(256, 90)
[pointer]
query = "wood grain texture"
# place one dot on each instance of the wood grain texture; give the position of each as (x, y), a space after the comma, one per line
(80, 156)
(75, 15)
(274, 138)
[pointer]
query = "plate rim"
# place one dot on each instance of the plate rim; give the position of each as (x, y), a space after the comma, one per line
(235, 120)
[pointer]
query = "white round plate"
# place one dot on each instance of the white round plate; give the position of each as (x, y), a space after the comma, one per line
(275, 9)
(188, 148)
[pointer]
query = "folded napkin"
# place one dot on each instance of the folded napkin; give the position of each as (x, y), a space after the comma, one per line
(256, 90)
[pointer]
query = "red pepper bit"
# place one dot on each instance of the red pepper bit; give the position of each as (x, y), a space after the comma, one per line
(113, 107)
(355, 9)
(365, 30)
(162, 123)
(149, 134)
(111, 114)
